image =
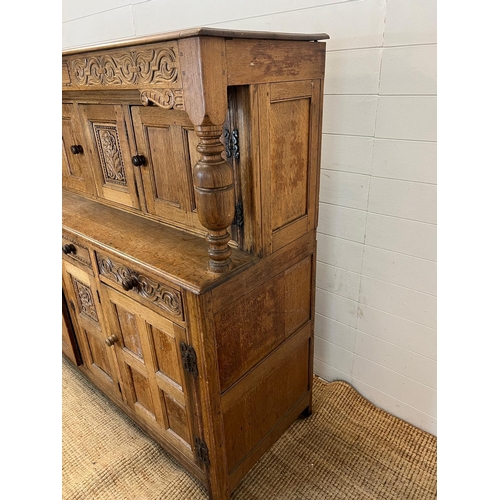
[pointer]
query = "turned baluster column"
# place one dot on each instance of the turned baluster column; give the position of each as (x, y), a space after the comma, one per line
(204, 86)
(214, 193)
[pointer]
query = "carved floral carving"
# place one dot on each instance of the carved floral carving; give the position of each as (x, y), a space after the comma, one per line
(160, 295)
(127, 67)
(110, 154)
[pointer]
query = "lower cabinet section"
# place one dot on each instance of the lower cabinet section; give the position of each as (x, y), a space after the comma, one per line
(216, 376)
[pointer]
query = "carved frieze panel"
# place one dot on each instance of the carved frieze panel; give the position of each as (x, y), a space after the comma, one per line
(156, 293)
(140, 66)
(110, 154)
(86, 304)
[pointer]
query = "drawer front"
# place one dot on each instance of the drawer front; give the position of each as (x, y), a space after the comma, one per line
(140, 286)
(75, 251)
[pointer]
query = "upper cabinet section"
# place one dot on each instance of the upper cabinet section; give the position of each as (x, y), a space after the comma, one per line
(216, 132)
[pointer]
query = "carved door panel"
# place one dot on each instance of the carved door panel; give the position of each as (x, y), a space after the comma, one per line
(83, 300)
(150, 361)
(75, 171)
(106, 133)
(167, 143)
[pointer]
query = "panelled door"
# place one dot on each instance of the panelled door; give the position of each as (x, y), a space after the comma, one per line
(166, 144)
(97, 352)
(148, 351)
(75, 171)
(106, 135)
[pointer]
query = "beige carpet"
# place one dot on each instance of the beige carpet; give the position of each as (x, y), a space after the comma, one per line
(347, 450)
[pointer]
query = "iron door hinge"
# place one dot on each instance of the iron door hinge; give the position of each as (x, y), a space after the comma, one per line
(189, 361)
(201, 450)
(231, 140)
(238, 214)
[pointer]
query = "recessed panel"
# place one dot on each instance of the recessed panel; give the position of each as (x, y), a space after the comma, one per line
(165, 347)
(142, 391)
(177, 418)
(289, 153)
(129, 331)
(166, 177)
(98, 354)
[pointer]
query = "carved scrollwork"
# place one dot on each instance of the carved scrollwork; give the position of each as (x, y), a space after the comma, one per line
(161, 295)
(127, 67)
(167, 98)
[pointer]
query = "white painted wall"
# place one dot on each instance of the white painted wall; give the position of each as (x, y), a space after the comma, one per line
(376, 280)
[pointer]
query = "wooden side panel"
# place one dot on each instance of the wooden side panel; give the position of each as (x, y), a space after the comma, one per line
(289, 135)
(256, 323)
(147, 348)
(111, 160)
(258, 407)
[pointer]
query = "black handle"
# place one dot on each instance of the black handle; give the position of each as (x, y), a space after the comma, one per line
(129, 283)
(68, 248)
(76, 149)
(138, 160)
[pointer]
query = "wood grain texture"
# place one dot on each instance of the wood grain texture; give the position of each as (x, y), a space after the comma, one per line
(289, 159)
(278, 391)
(259, 61)
(252, 326)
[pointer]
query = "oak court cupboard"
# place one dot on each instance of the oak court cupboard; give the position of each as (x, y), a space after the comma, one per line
(190, 165)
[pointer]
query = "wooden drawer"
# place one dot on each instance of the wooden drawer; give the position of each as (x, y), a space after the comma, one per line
(75, 251)
(140, 286)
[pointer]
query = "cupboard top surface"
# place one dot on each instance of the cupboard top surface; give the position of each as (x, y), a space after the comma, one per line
(201, 31)
(179, 256)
